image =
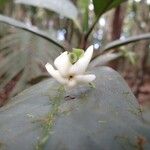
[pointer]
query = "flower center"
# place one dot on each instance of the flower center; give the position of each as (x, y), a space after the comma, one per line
(70, 77)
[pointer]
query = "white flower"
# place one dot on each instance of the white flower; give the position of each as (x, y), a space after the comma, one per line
(70, 74)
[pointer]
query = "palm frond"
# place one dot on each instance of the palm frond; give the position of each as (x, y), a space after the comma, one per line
(22, 51)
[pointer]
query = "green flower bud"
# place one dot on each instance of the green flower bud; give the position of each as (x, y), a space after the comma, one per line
(73, 57)
(79, 52)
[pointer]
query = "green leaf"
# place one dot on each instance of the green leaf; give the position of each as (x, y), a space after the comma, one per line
(101, 6)
(105, 117)
(128, 40)
(32, 29)
(63, 7)
(104, 59)
(2, 2)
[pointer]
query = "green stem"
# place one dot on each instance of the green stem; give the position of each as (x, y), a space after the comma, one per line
(96, 20)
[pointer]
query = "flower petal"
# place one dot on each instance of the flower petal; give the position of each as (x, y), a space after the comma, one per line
(85, 78)
(72, 83)
(63, 64)
(81, 65)
(55, 74)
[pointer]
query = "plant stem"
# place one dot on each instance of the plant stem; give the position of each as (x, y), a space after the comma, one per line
(95, 22)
